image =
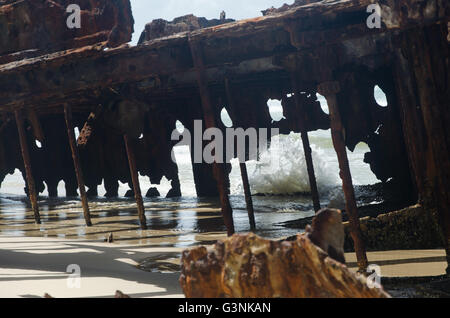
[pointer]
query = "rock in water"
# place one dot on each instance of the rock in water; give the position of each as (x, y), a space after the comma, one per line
(248, 266)
(153, 193)
(412, 228)
(129, 194)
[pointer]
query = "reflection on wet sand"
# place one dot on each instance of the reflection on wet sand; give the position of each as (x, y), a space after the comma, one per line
(171, 223)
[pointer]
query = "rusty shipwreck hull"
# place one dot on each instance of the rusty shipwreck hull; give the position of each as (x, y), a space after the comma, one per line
(314, 46)
(31, 28)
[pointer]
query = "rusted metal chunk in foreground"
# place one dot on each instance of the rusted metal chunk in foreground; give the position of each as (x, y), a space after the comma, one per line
(76, 163)
(136, 185)
(27, 164)
(310, 265)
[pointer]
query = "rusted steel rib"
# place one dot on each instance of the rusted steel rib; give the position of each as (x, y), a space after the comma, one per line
(248, 196)
(136, 185)
(329, 90)
(210, 122)
(306, 146)
(88, 127)
(243, 167)
(36, 125)
(76, 163)
(27, 164)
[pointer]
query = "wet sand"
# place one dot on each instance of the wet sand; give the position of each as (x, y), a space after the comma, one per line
(172, 223)
(34, 258)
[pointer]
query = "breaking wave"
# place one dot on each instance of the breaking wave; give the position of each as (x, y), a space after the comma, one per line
(282, 169)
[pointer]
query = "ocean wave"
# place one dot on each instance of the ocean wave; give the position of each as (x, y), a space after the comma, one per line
(282, 169)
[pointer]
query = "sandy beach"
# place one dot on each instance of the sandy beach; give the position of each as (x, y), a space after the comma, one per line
(33, 266)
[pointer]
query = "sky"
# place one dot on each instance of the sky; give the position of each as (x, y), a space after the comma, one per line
(145, 11)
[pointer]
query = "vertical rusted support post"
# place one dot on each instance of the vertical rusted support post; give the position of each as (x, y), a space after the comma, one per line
(329, 90)
(291, 28)
(136, 185)
(248, 196)
(210, 122)
(76, 163)
(306, 145)
(36, 125)
(243, 167)
(27, 164)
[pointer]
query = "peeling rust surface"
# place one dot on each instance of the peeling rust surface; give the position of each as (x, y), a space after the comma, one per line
(33, 28)
(248, 266)
(229, 44)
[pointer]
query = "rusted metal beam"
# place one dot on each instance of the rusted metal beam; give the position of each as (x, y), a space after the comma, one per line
(210, 122)
(27, 164)
(98, 20)
(306, 145)
(76, 163)
(243, 167)
(248, 196)
(88, 127)
(329, 90)
(72, 71)
(35, 125)
(136, 185)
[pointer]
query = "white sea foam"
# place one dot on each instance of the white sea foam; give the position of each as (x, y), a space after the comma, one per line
(288, 173)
